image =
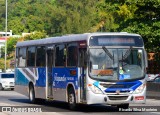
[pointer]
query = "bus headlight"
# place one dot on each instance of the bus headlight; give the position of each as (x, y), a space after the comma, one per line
(95, 89)
(140, 89)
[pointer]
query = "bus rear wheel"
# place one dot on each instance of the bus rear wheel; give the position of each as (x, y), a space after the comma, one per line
(71, 99)
(31, 94)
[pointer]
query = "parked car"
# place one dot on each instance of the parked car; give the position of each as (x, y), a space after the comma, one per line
(6, 81)
(156, 79)
(151, 77)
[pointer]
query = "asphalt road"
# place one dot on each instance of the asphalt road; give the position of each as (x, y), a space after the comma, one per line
(17, 103)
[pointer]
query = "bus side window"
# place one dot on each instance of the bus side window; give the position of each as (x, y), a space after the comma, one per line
(40, 57)
(60, 57)
(22, 57)
(82, 57)
(72, 54)
(31, 56)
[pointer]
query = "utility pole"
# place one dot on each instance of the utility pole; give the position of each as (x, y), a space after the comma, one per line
(6, 40)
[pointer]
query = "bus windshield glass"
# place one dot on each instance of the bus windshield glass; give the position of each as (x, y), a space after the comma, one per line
(116, 63)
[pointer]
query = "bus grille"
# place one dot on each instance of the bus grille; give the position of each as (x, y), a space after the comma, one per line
(118, 97)
(117, 85)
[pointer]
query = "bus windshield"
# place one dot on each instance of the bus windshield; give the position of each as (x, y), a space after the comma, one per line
(113, 64)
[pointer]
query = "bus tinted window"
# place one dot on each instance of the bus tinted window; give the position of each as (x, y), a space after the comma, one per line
(60, 59)
(116, 41)
(22, 57)
(31, 56)
(72, 55)
(17, 50)
(40, 57)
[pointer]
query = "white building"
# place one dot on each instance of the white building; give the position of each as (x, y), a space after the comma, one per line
(3, 38)
(4, 33)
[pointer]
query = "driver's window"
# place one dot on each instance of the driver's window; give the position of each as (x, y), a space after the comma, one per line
(98, 58)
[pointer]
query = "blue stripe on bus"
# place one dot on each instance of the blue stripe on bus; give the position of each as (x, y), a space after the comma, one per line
(63, 76)
(41, 82)
(124, 86)
(60, 77)
(20, 79)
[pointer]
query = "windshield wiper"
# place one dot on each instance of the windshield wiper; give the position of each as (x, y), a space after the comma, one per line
(107, 52)
(127, 53)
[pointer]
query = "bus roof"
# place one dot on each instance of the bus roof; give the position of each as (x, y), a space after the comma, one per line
(69, 38)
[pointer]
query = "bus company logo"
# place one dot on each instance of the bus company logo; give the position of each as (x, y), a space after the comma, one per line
(117, 92)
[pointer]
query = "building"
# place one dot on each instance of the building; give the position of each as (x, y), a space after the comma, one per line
(3, 38)
(4, 33)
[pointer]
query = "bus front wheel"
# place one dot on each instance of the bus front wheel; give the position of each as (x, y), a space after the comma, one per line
(31, 94)
(71, 99)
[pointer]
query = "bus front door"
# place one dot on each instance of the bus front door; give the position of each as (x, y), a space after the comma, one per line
(83, 65)
(49, 73)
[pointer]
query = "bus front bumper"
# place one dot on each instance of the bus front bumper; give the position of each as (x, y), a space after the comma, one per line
(112, 99)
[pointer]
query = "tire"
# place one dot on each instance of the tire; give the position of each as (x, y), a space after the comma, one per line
(71, 99)
(12, 89)
(1, 88)
(32, 94)
(123, 106)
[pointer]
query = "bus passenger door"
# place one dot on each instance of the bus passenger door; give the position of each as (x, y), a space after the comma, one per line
(83, 65)
(49, 72)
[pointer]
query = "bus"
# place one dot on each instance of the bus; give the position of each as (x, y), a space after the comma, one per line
(90, 68)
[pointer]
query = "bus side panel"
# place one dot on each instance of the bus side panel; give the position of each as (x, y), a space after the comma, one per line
(21, 82)
(35, 75)
(62, 77)
(40, 86)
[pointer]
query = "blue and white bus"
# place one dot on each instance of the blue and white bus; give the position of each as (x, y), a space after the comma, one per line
(90, 68)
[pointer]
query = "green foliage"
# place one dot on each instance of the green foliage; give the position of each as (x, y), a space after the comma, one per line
(2, 64)
(11, 43)
(72, 16)
(145, 21)
(35, 35)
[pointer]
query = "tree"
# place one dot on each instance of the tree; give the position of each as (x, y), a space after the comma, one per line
(74, 16)
(11, 44)
(35, 35)
(30, 15)
(58, 17)
(145, 22)
(2, 15)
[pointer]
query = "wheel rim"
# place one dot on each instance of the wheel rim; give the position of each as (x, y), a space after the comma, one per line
(31, 95)
(71, 99)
